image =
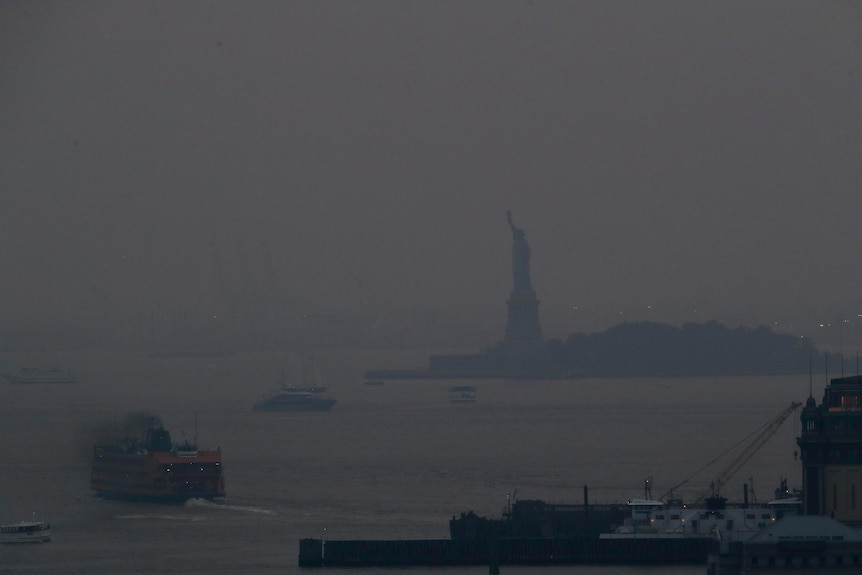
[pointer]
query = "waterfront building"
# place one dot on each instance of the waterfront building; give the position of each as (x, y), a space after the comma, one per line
(831, 450)
(803, 544)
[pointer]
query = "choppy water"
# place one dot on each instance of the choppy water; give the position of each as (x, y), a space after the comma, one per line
(389, 461)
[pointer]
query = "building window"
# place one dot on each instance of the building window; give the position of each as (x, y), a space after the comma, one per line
(850, 402)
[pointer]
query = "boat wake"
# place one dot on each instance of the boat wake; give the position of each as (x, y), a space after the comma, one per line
(206, 504)
(161, 517)
(201, 506)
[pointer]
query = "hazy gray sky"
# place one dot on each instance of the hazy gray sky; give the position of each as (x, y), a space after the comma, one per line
(357, 156)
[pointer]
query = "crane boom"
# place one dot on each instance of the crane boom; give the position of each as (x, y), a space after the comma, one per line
(768, 431)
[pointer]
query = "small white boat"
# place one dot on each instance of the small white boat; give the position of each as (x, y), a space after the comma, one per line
(462, 394)
(289, 398)
(26, 532)
(37, 375)
(310, 396)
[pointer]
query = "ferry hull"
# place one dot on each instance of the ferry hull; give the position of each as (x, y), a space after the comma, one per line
(157, 477)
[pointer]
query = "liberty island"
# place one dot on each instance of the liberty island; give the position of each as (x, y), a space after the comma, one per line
(627, 350)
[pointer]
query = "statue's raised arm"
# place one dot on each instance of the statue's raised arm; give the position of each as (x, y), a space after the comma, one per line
(511, 223)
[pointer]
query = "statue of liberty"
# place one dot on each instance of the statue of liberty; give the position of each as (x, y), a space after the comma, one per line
(523, 332)
(520, 258)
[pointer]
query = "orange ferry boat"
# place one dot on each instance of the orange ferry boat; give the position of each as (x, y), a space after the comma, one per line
(156, 469)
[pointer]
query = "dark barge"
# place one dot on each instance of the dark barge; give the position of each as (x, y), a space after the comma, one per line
(508, 551)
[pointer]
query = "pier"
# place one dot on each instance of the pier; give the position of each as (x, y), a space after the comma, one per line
(518, 551)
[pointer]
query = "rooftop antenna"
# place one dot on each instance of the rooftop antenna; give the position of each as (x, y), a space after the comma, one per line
(810, 376)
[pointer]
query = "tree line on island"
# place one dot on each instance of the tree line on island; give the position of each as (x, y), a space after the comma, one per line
(639, 349)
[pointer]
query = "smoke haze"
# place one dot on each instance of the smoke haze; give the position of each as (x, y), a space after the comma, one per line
(238, 171)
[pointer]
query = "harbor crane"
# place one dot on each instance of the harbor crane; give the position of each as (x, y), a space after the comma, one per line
(744, 456)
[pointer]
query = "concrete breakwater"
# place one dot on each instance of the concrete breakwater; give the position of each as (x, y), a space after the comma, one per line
(515, 551)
